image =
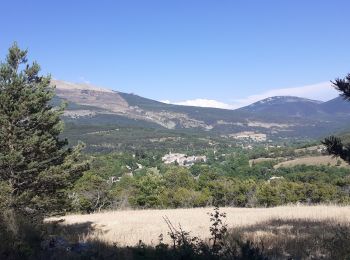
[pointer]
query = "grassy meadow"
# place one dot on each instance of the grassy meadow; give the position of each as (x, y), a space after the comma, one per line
(128, 227)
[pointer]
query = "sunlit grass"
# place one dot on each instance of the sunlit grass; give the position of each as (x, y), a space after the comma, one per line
(130, 226)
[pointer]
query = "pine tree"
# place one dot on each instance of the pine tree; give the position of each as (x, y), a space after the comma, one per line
(334, 144)
(36, 165)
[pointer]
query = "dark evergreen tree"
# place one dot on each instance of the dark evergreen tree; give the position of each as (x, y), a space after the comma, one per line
(334, 144)
(36, 165)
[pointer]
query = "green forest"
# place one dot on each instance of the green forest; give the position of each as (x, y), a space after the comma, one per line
(225, 181)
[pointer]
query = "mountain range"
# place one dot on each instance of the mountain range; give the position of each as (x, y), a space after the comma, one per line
(279, 117)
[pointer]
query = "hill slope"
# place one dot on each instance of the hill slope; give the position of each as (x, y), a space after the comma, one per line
(336, 106)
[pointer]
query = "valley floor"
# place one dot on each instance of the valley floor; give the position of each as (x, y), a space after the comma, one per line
(130, 226)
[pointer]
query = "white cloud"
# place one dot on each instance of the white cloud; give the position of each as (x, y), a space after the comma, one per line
(83, 80)
(321, 91)
(201, 102)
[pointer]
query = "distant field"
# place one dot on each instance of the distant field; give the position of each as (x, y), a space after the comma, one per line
(260, 160)
(313, 160)
(128, 227)
(318, 148)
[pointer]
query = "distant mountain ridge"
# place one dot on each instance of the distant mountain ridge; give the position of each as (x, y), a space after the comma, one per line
(286, 106)
(336, 106)
(285, 99)
(277, 117)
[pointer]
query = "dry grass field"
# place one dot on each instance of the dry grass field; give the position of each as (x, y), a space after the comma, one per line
(313, 160)
(130, 226)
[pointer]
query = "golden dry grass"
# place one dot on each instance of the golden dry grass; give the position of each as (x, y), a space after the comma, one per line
(313, 160)
(130, 226)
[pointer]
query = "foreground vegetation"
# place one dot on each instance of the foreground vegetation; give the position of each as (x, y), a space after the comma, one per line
(37, 167)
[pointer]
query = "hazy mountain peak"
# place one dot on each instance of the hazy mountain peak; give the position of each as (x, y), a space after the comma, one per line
(285, 99)
(64, 85)
(286, 106)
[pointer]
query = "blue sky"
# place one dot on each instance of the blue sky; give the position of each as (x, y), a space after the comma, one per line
(226, 51)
